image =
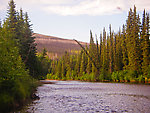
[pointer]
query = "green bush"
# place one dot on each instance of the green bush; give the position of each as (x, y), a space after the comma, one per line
(101, 77)
(148, 75)
(119, 76)
(14, 93)
(115, 76)
(141, 79)
(6, 102)
(87, 77)
(131, 75)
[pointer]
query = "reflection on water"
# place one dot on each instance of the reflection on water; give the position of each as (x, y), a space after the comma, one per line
(85, 97)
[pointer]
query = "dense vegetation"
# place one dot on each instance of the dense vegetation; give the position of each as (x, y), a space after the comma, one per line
(19, 63)
(120, 57)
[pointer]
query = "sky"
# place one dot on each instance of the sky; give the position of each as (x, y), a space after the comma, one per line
(73, 19)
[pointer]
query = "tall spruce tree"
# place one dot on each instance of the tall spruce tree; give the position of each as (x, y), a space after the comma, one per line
(111, 60)
(124, 48)
(83, 64)
(133, 39)
(100, 50)
(91, 53)
(118, 53)
(104, 52)
(145, 43)
(89, 66)
(30, 58)
(115, 53)
(97, 54)
(12, 16)
(63, 68)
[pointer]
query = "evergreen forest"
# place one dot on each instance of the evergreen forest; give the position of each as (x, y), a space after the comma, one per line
(20, 65)
(118, 57)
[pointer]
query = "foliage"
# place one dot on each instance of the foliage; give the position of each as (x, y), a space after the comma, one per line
(17, 60)
(43, 64)
(15, 83)
(119, 57)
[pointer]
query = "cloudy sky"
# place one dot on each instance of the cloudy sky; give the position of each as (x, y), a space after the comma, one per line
(75, 18)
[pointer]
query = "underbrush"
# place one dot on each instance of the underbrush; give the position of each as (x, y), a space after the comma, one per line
(14, 93)
(125, 76)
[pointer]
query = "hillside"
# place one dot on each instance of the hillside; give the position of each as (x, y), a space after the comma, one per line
(56, 46)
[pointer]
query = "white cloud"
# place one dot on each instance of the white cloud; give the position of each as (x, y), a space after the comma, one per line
(142, 4)
(89, 7)
(80, 7)
(56, 2)
(97, 7)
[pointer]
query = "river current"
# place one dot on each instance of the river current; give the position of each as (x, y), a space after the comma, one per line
(87, 97)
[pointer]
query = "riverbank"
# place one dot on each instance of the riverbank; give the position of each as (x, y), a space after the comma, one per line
(125, 76)
(52, 81)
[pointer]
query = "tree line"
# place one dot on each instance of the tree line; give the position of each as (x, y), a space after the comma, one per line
(121, 57)
(19, 63)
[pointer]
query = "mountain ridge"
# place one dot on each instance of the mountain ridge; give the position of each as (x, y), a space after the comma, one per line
(56, 46)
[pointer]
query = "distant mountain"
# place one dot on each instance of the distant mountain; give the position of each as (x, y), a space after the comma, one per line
(56, 46)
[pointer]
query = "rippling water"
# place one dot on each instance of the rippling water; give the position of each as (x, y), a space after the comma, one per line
(86, 97)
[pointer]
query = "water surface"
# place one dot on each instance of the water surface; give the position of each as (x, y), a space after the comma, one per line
(86, 97)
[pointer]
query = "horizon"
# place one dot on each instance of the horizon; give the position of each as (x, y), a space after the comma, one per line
(73, 19)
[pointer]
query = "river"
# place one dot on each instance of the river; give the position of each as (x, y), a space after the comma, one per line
(87, 97)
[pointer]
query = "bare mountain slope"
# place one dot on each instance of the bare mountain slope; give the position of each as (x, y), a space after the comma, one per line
(54, 45)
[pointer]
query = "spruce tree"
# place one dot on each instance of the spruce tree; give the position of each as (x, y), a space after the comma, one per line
(133, 39)
(104, 56)
(100, 51)
(145, 44)
(12, 16)
(104, 52)
(118, 53)
(59, 70)
(124, 48)
(91, 53)
(82, 67)
(89, 66)
(30, 48)
(63, 69)
(111, 60)
(97, 54)
(115, 53)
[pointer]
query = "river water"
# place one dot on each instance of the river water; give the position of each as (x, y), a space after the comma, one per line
(87, 97)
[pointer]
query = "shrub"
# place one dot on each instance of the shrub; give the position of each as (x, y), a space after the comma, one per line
(141, 79)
